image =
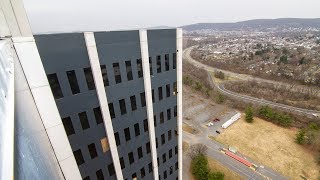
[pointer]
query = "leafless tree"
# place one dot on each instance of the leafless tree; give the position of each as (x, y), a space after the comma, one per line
(197, 149)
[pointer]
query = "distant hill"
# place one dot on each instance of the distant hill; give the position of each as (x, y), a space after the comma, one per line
(257, 23)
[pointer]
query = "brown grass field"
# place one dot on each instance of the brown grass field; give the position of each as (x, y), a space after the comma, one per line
(272, 146)
(189, 129)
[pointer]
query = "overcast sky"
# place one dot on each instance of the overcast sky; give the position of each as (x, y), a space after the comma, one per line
(84, 15)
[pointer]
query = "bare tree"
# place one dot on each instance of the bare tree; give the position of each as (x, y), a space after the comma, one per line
(197, 149)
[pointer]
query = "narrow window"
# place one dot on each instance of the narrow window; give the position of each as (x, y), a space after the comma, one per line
(104, 144)
(143, 99)
(174, 60)
(176, 150)
(122, 163)
(86, 178)
(55, 86)
(143, 172)
(99, 174)
(136, 129)
(123, 108)
(153, 99)
(161, 118)
(104, 75)
(89, 78)
(131, 158)
(155, 120)
(166, 59)
(117, 73)
(158, 162)
(73, 82)
(163, 139)
(148, 147)
(171, 170)
(117, 138)
(139, 66)
(92, 150)
(68, 127)
(164, 157)
(170, 153)
(150, 65)
(158, 64)
(175, 88)
(150, 167)
(165, 174)
(127, 134)
(156, 142)
(168, 90)
(160, 93)
(169, 135)
(78, 156)
(84, 120)
(98, 115)
(133, 103)
(168, 114)
(111, 110)
(145, 125)
(175, 111)
(140, 154)
(111, 169)
(129, 70)
(176, 165)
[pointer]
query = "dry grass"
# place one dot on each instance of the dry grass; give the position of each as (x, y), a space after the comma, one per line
(189, 129)
(228, 174)
(273, 146)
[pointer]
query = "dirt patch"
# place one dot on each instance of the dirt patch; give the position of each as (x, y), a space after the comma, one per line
(185, 146)
(273, 146)
(189, 129)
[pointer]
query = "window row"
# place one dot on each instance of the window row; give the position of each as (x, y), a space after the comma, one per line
(133, 100)
(92, 151)
(163, 137)
(162, 116)
(137, 127)
(83, 119)
(73, 80)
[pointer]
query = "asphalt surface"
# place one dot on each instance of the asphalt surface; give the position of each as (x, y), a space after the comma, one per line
(221, 88)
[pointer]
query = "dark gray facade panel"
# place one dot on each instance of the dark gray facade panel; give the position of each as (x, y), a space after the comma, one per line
(160, 43)
(118, 47)
(66, 52)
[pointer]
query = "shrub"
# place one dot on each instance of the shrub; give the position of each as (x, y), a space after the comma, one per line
(200, 168)
(300, 137)
(219, 75)
(275, 117)
(249, 114)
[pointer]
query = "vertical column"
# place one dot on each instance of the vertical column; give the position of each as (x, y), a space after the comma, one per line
(31, 63)
(179, 102)
(97, 76)
(148, 94)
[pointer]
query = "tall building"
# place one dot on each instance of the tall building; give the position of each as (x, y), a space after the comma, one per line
(106, 105)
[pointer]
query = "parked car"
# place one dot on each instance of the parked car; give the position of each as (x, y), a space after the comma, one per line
(218, 132)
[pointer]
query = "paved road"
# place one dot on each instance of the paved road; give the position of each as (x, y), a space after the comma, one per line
(186, 55)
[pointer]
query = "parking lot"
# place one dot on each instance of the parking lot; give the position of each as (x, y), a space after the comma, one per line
(199, 112)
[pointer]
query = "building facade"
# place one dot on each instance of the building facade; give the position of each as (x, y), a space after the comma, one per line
(126, 80)
(93, 105)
